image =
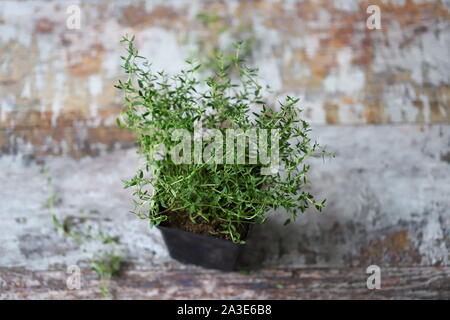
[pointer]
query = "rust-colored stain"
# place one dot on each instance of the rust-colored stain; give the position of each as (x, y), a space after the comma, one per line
(392, 249)
(82, 64)
(70, 135)
(138, 16)
(347, 100)
(331, 110)
(44, 25)
(373, 115)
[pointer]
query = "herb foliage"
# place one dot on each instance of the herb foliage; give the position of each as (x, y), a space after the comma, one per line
(229, 196)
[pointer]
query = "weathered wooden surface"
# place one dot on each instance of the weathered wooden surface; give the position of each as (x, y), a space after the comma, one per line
(59, 82)
(387, 191)
(350, 283)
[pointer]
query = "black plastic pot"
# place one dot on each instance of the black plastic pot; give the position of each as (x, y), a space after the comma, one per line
(201, 250)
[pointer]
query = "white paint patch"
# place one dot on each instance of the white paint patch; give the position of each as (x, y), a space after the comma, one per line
(7, 33)
(346, 5)
(268, 63)
(46, 49)
(5, 108)
(399, 104)
(95, 84)
(351, 113)
(160, 46)
(346, 79)
(426, 107)
(316, 110)
(93, 108)
(300, 70)
(40, 72)
(435, 248)
(312, 44)
(112, 32)
(436, 56)
(426, 58)
(59, 93)
(270, 74)
(17, 24)
(26, 91)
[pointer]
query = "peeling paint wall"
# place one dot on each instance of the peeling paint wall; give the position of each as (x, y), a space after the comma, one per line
(56, 84)
(379, 99)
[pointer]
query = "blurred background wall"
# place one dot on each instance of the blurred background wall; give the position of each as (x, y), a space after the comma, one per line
(57, 95)
(379, 99)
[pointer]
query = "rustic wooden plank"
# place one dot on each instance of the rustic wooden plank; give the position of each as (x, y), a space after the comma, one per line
(74, 140)
(350, 283)
(387, 192)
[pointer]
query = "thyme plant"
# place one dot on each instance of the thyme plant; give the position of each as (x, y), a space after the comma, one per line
(226, 197)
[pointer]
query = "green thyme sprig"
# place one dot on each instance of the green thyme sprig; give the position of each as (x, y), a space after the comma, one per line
(227, 195)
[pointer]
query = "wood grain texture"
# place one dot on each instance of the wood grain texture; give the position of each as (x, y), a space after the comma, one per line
(350, 283)
(387, 191)
(388, 205)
